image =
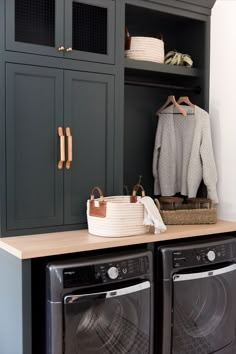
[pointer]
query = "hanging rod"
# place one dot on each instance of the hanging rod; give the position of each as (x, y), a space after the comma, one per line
(165, 86)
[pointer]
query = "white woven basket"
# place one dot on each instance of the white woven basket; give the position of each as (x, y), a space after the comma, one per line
(146, 48)
(116, 216)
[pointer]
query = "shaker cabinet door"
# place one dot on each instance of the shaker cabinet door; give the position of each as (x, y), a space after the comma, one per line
(89, 113)
(34, 111)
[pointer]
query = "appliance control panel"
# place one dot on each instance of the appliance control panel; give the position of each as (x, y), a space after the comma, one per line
(122, 270)
(105, 273)
(203, 255)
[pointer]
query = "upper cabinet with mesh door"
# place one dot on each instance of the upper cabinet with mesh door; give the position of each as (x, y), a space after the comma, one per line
(76, 29)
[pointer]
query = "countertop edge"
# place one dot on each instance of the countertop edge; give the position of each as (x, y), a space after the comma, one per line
(43, 245)
(12, 250)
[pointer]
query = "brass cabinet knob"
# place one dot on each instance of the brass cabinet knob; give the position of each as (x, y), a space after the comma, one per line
(60, 49)
(69, 49)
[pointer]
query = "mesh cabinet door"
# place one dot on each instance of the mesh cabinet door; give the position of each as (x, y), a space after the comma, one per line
(38, 26)
(89, 30)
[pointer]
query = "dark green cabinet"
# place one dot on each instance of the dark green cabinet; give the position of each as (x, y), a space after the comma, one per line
(38, 101)
(76, 29)
(89, 112)
(34, 110)
(149, 83)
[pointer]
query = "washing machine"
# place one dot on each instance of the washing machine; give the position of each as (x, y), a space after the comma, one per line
(100, 305)
(197, 292)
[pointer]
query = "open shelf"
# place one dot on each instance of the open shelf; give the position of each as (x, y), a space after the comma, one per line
(148, 66)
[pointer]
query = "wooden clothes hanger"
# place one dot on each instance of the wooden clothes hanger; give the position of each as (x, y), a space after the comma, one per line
(171, 99)
(185, 99)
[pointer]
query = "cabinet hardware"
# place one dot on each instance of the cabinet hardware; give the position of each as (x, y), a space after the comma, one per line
(69, 49)
(60, 49)
(62, 148)
(69, 151)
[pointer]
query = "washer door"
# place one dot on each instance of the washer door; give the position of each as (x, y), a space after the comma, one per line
(112, 322)
(204, 310)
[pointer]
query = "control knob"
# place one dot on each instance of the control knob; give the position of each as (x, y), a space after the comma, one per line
(211, 256)
(113, 273)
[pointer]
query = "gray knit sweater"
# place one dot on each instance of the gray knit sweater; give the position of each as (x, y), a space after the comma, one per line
(183, 153)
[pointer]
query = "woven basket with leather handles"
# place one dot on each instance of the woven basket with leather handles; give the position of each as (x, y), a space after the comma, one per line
(116, 216)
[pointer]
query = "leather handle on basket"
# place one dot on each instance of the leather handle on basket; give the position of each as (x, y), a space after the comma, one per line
(133, 197)
(127, 39)
(157, 204)
(160, 36)
(97, 207)
(99, 191)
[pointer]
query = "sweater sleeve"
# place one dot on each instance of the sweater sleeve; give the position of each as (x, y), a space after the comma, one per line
(156, 154)
(208, 161)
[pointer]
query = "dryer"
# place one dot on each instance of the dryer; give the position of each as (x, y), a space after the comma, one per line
(197, 282)
(101, 305)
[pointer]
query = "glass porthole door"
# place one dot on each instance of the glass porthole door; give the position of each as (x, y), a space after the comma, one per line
(204, 312)
(116, 321)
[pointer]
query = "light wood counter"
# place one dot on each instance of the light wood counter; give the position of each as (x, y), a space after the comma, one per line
(25, 247)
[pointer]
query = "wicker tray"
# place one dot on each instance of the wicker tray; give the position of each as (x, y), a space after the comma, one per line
(188, 216)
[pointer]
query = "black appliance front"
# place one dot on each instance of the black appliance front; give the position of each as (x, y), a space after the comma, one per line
(204, 318)
(108, 322)
(199, 298)
(101, 306)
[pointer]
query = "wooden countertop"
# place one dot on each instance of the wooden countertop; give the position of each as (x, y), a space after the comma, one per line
(33, 246)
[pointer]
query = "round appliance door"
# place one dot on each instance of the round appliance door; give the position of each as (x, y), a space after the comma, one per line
(204, 310)
(116, 321)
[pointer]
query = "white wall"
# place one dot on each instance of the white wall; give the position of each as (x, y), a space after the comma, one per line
(223, 103)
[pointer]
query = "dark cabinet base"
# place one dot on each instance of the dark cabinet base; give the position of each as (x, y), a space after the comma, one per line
(38, 101)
